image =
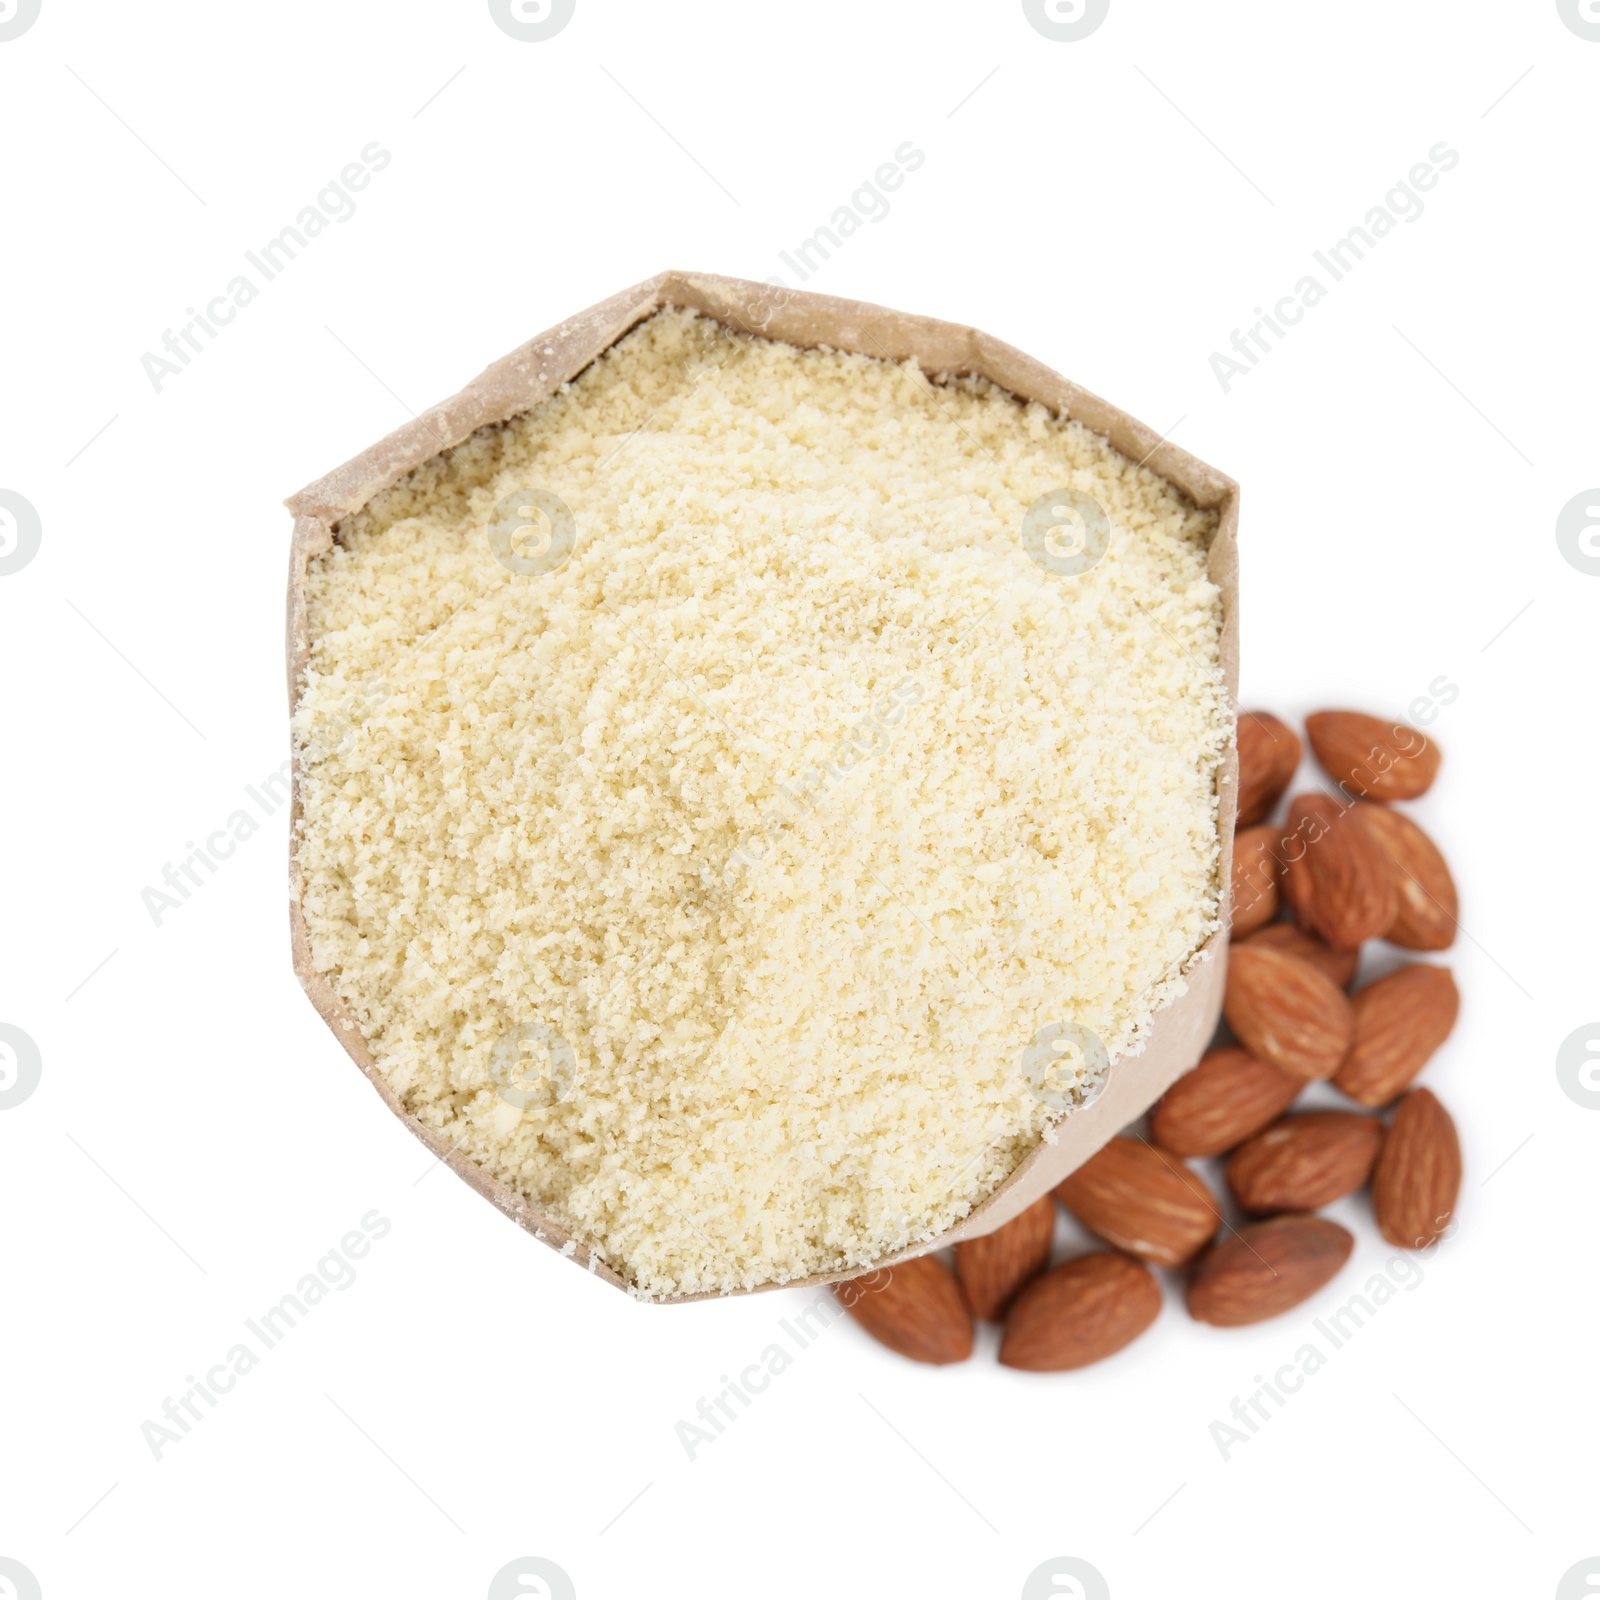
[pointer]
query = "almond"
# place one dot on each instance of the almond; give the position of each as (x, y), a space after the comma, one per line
(1294, 881)
(1426, 909)
(1338, 966)
(1372, 758)
(1419, 1173)
(1286, 1013)
(916, 1308)
(1401, 1019)
(1255, 878)
(990, 1270)
(1343, 889)
(1082, 1311)
(1304, 1161)
(1266, 1268)
(1142, 1200)
(1269, 752)
(1229, 1096)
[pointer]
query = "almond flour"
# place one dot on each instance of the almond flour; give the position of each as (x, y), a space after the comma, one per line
(710, 887)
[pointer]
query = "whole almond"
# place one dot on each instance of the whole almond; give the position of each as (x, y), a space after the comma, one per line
(1304, 1161)
(1142, 1200)
(1266, 1268)
(1082, 1311)
(1286, 1013)
(1229, 1096)
(990, 1270)
(1269, 752)
(1343, 889)
(1418, 1175)
(1425, 893)
(1255, 878)
(1338, 966)
(1373, 758)
(916, 1308)
(1401, 1019)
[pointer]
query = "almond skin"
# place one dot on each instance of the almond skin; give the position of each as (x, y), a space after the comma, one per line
(1142, 1200)
(1294, 882)
(1373, 758)
(1286, 1013)
(1343, 886)
(1425, 893)
(1418, 1175)
(1080, 1312)
(1338, 966)
(1400, 1021)
(1305, 1161)
(1266, 1268)
(916, 1308)
(1255, 878)
(990, 1270)
(1229, 1096)
(1269, 752)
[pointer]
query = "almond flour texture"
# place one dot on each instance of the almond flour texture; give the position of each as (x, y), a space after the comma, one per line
(712, 889)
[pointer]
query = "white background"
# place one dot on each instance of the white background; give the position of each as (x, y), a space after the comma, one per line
(1115, 206)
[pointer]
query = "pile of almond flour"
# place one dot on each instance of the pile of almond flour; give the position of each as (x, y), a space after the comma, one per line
(710, 888)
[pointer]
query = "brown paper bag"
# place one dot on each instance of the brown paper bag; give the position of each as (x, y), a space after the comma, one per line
(1180, 1032)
